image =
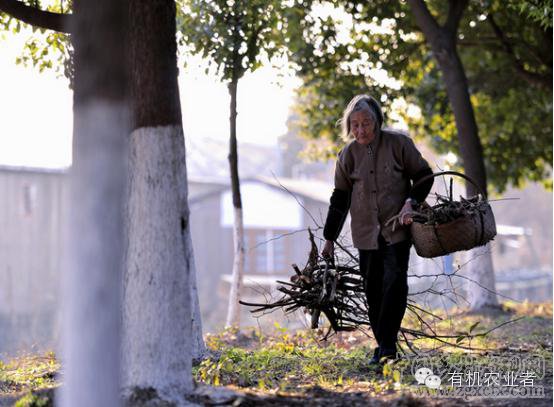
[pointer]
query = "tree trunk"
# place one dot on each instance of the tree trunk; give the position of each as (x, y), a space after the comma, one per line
(157, 305)
(233, 312)
(161, 318)
(94, 232)
(443, 44)
(198, 346)
(481, 290)
(468, 135)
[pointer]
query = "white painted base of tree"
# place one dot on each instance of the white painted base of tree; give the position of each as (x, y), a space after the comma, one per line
(157, 339)
(93, 259)
(480, 291)
(233, 311)
(199, 351)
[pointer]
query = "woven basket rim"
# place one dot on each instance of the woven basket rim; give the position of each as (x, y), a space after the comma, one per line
(443, 225)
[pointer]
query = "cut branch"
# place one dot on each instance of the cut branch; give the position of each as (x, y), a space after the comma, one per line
(36, 17)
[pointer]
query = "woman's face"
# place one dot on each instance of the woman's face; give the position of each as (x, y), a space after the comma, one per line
(362, 127)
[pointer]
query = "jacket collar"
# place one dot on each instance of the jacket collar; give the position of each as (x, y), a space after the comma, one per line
(374, 145)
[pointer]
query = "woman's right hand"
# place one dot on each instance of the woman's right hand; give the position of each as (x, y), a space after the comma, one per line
(328, 249)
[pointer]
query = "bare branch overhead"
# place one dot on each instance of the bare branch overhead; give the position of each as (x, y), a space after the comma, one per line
(36, 17)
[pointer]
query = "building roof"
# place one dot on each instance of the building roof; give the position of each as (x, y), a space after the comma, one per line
(208, 157)
(513, 230)
(309, 188)
(35, 170)
(202, 187)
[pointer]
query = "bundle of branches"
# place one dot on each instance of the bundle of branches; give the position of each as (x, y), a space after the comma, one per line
(336, 290)
(323, 287)
(445, 210)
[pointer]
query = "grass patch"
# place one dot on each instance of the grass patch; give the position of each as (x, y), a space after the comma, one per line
(28, 373)
(297, 364)
(35, 400)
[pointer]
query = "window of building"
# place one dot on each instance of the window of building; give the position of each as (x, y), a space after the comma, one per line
(29, 199)
(260, 252)
(266, 251)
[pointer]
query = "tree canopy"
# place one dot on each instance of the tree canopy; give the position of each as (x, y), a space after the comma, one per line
(235, 36)
(45, 49)
(507, 54)
(344, 47)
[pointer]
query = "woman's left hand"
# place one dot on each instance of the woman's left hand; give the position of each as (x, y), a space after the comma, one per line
(405, 214)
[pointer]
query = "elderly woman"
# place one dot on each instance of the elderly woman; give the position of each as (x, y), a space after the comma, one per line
(373, 178)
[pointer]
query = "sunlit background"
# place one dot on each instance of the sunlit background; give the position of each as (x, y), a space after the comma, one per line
(36, 131)
(36, 108)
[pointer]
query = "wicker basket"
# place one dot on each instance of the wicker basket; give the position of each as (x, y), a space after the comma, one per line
(463, 233)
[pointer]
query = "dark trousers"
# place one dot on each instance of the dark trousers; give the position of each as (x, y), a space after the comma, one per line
(385, 278)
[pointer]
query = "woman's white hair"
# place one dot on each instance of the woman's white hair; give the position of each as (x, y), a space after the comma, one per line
(361, 103)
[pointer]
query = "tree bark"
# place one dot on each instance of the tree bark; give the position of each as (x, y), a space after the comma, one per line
(480, 268)
(94, 232)
(161, 321)
(157, 308)
(152, 65)
(233, 312)
(198, 346)
(480, 290)
(153, 48)
(443, 44)
(468, 136)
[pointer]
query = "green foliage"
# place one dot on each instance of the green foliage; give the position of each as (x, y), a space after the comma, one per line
(48, 51)
(317, 114)
(514, 116)
(29, 373)
(295, 365)
(282, 362)
(44, 50)
(33, 400)
(539, 11)
(288, 363)
(332, 56)
(235, 36)
(508, 81)
(345, 47)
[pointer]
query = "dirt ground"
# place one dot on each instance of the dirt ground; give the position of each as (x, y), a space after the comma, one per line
(530, 336)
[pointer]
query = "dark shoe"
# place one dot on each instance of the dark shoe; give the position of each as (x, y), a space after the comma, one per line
(375, 359)
(387, 355)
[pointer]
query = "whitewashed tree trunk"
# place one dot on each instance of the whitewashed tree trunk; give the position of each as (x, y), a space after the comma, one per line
(157, 323)
(94, 232)
(198, 346)
(481, 290)
(161, 318)
(233, 311)
(94, 256)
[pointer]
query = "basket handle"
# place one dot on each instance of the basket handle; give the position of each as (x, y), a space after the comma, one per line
(459, 174)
